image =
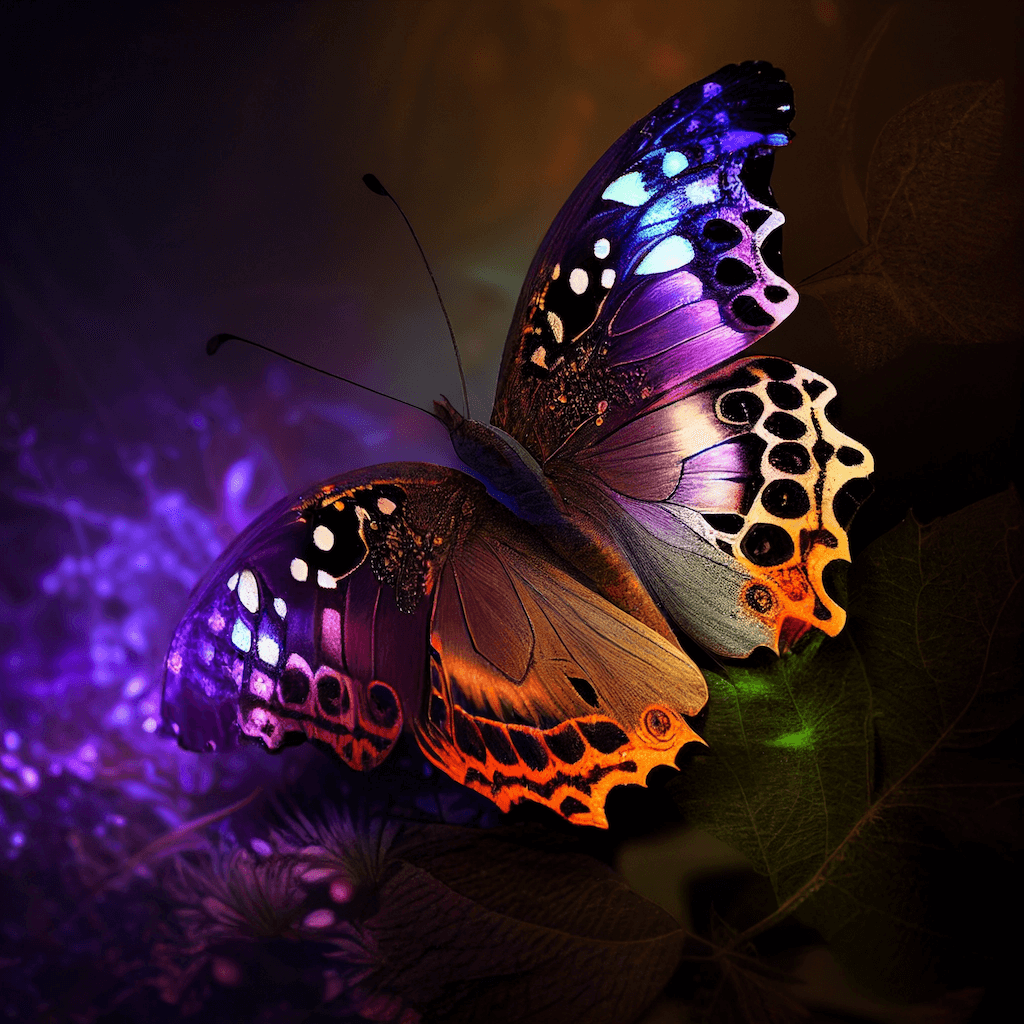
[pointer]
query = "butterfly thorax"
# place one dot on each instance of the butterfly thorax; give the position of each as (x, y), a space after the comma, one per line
(499, 460)
(571, 528)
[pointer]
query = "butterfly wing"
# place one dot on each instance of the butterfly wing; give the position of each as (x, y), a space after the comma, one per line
(312, 623)
(404, 596)
(728, 491)
(733, 502)
(663, 263)
(540, 688)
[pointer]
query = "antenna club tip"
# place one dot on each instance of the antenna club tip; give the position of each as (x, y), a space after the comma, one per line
(372, 182)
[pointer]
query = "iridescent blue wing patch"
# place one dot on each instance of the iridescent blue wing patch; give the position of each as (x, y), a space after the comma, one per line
(664, 262)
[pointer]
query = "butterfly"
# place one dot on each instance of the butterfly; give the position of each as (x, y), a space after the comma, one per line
(650, 488)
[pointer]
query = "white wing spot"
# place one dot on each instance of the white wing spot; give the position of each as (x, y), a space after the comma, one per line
(628, 190)
(323, 538)
(701, 192)
(602, 247)
(539, 357)
(241, 636)
(280, 607)
(578, 280)
(268, 650)
(711, 89)
(249, 591)
(555, 323)
(299, 570)
(233, 582)
(673, 163)
(669, 254)
(386, 506)
(607, 277)
(325, 580)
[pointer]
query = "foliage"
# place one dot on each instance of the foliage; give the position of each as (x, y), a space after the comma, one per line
(938, 225)
(837, 769)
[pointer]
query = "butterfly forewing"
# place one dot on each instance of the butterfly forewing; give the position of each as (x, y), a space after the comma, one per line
(312, 623)
(404, 595)
(663, 262)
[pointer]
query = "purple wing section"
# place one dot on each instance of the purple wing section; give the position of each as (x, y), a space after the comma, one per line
(314, 621)
(664, 263)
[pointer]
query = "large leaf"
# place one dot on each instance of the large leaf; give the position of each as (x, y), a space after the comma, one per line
(487, 927)
(835, 768)
(938, 263)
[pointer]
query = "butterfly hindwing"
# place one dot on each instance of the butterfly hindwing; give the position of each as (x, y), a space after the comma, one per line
(405, 596)
(733, 502)
(540, 688)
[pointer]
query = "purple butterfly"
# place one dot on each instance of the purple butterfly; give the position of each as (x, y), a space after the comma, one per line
(532, 649)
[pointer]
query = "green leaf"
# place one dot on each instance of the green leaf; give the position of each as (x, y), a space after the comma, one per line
(830, 767)
(938, 263)
(487, 926)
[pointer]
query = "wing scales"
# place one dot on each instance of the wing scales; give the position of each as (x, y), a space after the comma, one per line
(602, 700)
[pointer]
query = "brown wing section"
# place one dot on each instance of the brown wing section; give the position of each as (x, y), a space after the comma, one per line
(540, 688)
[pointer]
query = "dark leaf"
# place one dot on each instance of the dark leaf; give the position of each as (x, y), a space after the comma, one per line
(839, 770)
(938, 263)
(841, 122)
(486, 927)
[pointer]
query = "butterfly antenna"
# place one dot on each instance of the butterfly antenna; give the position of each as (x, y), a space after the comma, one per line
(373, 183)
(218, 339)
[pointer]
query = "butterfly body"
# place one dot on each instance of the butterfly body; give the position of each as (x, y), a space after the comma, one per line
(652, 491)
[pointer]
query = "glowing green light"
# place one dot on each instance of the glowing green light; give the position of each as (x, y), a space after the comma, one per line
(750, 686)
(802, 740)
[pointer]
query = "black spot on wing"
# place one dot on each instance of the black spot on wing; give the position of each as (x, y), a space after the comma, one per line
(724, 522)
(754, 218)
(785, 396)
(722, 232)
(790, 457)
(740, 407)
(294, 686)
(567, 745)
(786, 499)
(570, 806)
(585, 690)
(781, 424)
(468, 737)
(605, 737)
(497, 743)
(766, 544)
(751, 312)
(530, 749)
(734, 272)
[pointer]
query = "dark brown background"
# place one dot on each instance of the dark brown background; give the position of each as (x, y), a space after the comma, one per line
(177, 169)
